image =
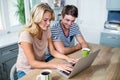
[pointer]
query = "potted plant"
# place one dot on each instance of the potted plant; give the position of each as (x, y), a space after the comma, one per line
(20, 12)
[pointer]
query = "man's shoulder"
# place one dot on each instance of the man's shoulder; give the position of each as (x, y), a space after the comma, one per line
(75, 25)
(55, 26)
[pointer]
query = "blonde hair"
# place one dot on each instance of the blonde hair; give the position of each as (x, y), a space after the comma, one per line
(36, 16)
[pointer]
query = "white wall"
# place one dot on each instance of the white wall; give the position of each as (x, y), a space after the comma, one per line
(92, 15)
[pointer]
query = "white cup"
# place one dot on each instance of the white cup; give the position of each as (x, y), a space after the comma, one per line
(44, 75)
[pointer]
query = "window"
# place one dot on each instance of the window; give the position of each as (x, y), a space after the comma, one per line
(33, 2)
(1, 26)
(0, 22)
(9, 22)
(11, 10)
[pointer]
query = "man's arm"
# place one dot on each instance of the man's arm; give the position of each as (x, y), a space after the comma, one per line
(66, 50)
(82, 41)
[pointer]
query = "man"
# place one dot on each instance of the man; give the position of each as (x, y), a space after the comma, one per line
(64, 31)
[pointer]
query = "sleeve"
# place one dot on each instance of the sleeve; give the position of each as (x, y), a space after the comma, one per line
(55, 34)
(25, 37)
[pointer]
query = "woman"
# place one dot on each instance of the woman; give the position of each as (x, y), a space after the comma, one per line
(34, 40)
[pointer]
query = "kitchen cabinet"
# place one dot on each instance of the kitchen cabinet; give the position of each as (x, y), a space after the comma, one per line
(113, 5)
(110, 39)
(8, 56)
(0, 72)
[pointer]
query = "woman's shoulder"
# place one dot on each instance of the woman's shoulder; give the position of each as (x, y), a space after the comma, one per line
(26, 37)
(25, 34)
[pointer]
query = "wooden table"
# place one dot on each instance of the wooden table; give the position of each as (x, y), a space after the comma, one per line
(105, 67)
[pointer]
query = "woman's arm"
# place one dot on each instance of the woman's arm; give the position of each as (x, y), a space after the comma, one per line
(29, 52)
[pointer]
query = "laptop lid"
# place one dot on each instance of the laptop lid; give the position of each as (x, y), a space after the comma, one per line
(82, 64)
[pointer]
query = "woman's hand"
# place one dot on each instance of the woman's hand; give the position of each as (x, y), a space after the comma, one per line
(65, 67)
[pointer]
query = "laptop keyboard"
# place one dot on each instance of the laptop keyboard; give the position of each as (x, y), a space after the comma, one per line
(66, 72)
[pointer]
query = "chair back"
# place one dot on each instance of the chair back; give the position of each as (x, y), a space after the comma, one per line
(13, 72)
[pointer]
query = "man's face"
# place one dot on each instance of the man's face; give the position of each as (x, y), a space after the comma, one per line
(67, 21)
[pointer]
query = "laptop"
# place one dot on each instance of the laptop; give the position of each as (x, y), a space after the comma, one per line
(81, 65)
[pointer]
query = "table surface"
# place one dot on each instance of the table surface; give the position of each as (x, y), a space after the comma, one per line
(105, 66)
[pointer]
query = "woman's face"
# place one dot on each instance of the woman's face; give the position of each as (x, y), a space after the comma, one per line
(45, 22)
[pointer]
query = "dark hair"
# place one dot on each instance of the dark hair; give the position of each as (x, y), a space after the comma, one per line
(70, 10)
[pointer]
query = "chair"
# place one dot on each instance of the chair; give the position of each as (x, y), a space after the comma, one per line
(12, 72)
